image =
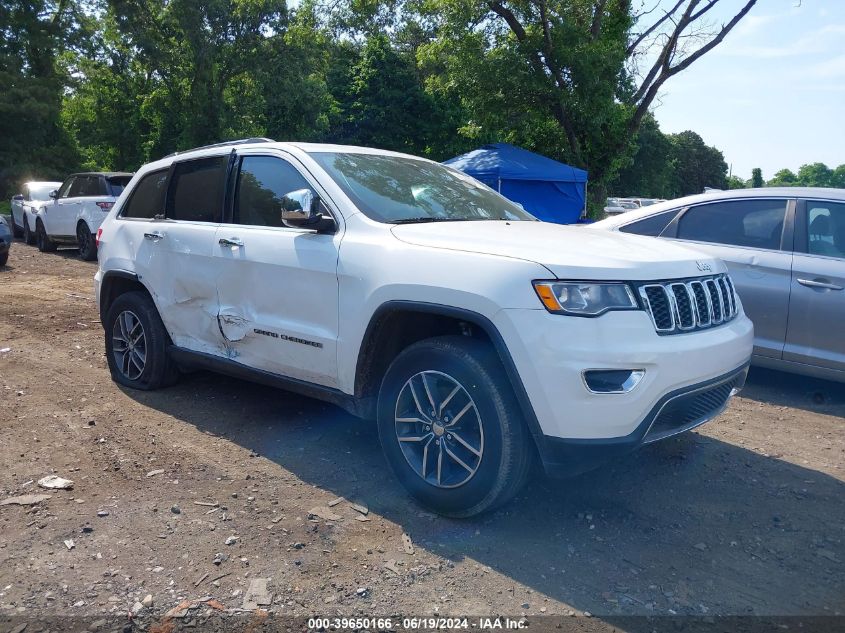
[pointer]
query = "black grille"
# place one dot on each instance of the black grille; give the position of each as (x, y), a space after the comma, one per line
(690, 410)
(661, 310)
(686, 305)
(686, 317)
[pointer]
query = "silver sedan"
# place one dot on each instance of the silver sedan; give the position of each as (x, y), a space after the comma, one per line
(785, 248)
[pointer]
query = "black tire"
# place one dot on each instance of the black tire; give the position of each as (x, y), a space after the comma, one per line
(45, 244)
(87, 244)
(4, 258)
(16, 230)
(506, 452)
(158, 369)
(28, 236)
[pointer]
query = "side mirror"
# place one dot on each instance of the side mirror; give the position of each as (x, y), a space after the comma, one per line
(54, 194)
(18, 197)
(300, 211)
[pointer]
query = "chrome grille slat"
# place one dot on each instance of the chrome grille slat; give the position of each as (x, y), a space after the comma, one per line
(679, 306)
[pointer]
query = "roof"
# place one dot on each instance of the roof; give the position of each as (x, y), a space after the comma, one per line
(107, 174)
(826, 193)
(501, 160)
(41, 183)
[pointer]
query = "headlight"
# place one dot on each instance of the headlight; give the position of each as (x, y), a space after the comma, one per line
(588, 299)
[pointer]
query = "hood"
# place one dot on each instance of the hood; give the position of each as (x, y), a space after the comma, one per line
(569, 252)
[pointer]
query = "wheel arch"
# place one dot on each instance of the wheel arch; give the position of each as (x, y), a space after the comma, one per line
(388, 333)
(116, 283)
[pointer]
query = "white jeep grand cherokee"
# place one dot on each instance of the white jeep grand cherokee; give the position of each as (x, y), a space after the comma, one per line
(409, 293)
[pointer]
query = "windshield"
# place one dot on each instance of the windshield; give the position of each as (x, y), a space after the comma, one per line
(41, 192)
(399, 190)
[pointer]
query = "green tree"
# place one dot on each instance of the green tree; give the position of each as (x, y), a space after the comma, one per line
(735, 182)
(783, 178)
(34, 35)
(815, 175)
(573, 79)
(838, 177)
(650, 173)
(756, 177)
(697, 165)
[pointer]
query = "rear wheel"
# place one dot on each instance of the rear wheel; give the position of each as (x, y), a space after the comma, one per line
(136, 344)
(451, 428)
(45, 244)
(28, 236)
(87, 245)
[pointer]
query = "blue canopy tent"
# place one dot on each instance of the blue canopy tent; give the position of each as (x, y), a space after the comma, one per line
(549, 190)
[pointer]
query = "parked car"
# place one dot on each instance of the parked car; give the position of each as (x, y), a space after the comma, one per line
(618, 207)
(785, 249)
(409, 293)
(24, 207)
(5, 241)
(76, 210)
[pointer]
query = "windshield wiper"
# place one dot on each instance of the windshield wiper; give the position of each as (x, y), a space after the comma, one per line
(429, 218)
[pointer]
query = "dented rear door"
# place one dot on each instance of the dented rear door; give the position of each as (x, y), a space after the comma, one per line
(175, 255)
(277, 286)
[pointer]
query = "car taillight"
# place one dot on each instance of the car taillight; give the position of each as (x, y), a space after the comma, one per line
(105, 206)
(99, 235)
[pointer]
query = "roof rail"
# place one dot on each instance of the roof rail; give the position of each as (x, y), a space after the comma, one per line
(241, 141)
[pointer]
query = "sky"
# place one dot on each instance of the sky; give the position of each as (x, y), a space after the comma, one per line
(772, 94)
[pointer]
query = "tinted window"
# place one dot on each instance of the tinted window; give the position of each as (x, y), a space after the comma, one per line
(749, 223)
(196, 193)
(652, 225)
(826, 229)
(85, 186)
(147, 200)
(262, 183)
(63, 190)
(117, 184)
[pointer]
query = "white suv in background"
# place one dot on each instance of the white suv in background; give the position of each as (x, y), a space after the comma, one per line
(407, 292)
(76, 210)
(24, 206)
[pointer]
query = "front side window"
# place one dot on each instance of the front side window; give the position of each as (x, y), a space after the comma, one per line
(652, 226)
(396, 189)
(64, 190)
(147, 199)
(826, 229)
(196, 192)
(747, 223)
(262, 183)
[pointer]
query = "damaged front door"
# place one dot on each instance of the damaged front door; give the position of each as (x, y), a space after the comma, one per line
(277, 286)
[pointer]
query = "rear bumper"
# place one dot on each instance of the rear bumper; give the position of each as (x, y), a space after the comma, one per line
(677, 412)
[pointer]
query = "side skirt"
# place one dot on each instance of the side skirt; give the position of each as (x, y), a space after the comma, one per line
(200, 360)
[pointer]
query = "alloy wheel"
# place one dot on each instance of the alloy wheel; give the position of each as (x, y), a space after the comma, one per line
(129, 345)
(439, 429)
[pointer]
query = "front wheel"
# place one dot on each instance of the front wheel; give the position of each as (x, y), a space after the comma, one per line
(87, 245)
(451, 428)
(28, 236)
(45, 244)
(136, 344)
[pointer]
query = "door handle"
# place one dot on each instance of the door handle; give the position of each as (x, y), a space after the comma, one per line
(155, 236)
(230, 241)
(825, 285)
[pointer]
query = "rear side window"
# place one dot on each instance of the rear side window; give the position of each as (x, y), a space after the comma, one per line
(652, 225)
(826, 229)
(262, 183)
(196, 191)
(748, 223)
(117, 184)
(147, 199)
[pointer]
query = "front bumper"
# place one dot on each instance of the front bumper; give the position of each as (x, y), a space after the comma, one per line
(677, 412)
(550, 353)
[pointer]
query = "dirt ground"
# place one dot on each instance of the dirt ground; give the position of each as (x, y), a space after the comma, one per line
(744, 517)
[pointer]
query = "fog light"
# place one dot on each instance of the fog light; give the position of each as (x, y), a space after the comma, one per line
(612, 380)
